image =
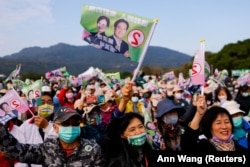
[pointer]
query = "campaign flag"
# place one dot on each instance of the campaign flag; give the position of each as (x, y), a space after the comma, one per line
(169, 75)
(244, 79)
(115, 75)
(198, 72)
(14, 74)
(57, 73)
(10, 105)
(102, 26)
(33, 92)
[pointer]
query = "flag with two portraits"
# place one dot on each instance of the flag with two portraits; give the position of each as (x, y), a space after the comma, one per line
(102, 29)
(33, 92)
(10, 105)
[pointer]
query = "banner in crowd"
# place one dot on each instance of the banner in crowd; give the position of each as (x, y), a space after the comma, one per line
(169, 75)
(14, 74)
(33, 92)
(10, 105)
(56, 74)
(115, 31)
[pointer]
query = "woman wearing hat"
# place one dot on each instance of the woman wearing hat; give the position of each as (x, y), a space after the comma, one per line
(167, 121)
(241, 126)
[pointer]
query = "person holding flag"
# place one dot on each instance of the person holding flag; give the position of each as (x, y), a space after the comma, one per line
(68, 148)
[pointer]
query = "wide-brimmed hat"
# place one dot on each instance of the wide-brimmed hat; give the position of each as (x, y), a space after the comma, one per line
(165, 106)
(3, 91)
(89, 108)
(232, 107)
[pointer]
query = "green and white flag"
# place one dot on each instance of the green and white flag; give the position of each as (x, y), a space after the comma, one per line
(116, 31)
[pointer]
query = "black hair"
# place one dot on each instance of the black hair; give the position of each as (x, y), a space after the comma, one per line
(47, 94)
(103, 18)
(121, 21)
(1, 105)
(117, 127)
(210, 116)
(229, 95)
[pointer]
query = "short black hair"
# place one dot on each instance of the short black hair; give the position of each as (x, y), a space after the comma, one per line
(210, 116)
(103, 18)
(121, 21)
(1, 105)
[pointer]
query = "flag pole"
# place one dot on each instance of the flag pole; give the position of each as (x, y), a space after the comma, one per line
(202, 41)
(145, 49)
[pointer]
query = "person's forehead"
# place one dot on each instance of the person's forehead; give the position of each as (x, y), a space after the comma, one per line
(46, 97)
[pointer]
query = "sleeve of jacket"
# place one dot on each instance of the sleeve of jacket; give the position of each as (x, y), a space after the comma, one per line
(21, 152)
(189, 139)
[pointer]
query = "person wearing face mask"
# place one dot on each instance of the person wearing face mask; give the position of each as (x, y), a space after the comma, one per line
(186, 114)
(243, 98)
(93, 126)
(68, 149)
(167, 122)
(217, 126)
(107, 107)
(241, 126)
(127, 144)
(67, 97)
(39, 128)
(134, 104)
(222, 94)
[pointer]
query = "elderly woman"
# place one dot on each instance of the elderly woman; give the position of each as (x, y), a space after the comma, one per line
(217, 127)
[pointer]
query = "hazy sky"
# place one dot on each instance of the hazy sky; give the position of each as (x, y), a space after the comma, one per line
(182, 23)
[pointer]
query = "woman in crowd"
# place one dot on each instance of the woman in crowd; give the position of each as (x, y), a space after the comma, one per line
(243, 98)
(127, 139)
(217, 127)
(222, 94)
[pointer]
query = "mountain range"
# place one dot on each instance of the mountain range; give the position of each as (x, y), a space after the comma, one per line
(77, 59)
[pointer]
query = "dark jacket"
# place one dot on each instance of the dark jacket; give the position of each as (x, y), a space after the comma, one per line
(244, 103)
(50, 154)
(124, 155)
(190, 142)
(119, 153)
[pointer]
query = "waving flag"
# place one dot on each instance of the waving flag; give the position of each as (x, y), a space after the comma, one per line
(57, 73)
(33, 92)
(14, 74)
(10, 105)
(102, 26)
(198, 72)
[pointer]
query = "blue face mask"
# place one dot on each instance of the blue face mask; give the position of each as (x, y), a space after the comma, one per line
(245, 94)
(237, 122)
(69, 133)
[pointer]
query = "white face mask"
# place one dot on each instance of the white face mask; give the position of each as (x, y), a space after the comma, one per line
(170, 119)
(134, 99)
(178, 95)
(222, 98)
